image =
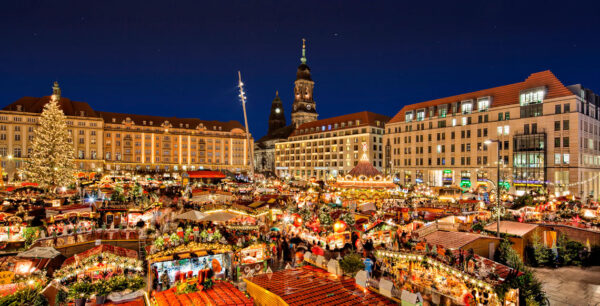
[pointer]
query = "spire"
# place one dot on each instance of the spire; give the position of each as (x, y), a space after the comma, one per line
(55, 92)
(276, 93)
(303, 58)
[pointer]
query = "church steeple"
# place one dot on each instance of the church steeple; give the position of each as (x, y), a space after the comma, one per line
(304, 106)
(276, 117)
(55, 92)
(303, 58)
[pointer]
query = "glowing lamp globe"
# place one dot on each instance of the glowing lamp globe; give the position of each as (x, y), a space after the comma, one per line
(297, 220)
(339, 226)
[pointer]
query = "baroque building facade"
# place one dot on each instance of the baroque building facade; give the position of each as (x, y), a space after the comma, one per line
(127, 143)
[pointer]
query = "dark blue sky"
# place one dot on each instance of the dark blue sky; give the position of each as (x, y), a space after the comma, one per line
(180, 58)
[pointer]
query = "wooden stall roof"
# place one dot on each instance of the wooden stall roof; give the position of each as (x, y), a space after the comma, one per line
(313, 286)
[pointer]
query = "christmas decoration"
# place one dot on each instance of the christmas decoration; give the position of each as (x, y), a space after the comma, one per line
(51, 162)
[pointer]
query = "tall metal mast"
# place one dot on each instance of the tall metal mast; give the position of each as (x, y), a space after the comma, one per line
(249, 148)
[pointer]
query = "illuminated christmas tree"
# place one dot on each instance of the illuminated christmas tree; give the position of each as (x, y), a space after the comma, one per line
(51, 162)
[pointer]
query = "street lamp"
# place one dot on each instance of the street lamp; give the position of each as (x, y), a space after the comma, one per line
(487, 143)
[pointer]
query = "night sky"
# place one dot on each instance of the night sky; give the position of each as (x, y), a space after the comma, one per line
(180, 58)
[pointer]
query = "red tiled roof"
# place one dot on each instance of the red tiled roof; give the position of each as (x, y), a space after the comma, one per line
(75, 108)
(313, 286)
(501, 96)
(36, 105)
(453, 240)
(366, 119)
(175, 122)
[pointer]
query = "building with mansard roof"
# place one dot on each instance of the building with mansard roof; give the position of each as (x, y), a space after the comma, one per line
(542, 135)
(127, 143)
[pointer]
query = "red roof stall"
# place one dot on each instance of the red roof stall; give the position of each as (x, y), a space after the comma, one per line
(206, 174)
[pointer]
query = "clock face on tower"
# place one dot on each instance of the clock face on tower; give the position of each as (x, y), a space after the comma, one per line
(277, 110)
(308, 107)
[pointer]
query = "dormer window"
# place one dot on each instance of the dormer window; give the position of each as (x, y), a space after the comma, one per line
(19, 108)
(483, 104)
(409, 116)
(151, 122)
(82, 113)
(443, 111)
(114, 120)
(532, 96)
(144, 122)
(181, 125)
(421, 115)
(466, 107)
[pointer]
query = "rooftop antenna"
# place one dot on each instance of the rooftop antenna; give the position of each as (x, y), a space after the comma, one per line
(243, 98)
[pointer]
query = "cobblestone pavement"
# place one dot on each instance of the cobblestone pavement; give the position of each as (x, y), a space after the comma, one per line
(571, 285)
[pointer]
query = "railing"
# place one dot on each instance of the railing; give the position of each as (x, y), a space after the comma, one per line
(66, 240)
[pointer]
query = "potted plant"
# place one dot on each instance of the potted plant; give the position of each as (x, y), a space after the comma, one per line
(351, 264)
(79, 292)
(102, 289)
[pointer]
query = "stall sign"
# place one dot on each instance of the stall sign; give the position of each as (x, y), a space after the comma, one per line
(6, 277)
(361, 278)
(56, 203)
(320, 260)
(23, 267)
(385, 287)
(333, 267)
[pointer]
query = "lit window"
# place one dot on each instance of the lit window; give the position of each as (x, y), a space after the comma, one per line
(506, 130)
(420, 115)
(483, 104)
(566, 159)
(464, 120)
(533, 96)
(453, 121)
(443, 111)
(557, 158)
(439, 148)
(408, 117)
(499, 130)
(466, 107)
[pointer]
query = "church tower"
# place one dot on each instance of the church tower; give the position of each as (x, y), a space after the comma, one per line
(277, 117)
(304, 106)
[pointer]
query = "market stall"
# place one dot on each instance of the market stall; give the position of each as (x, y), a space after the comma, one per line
(99, 262)
(188, 261)
(251, 261)
(443, 282)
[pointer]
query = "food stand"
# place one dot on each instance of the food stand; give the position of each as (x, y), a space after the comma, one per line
(417, 272)
(251, 261)
(188, 260)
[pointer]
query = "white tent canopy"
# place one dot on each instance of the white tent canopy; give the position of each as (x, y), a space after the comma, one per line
(40, 252)
(220, 216)
(192, 215)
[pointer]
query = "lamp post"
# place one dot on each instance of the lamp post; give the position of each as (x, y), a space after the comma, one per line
(488, 142)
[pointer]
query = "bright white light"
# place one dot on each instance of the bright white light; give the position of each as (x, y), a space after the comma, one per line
(488, 142)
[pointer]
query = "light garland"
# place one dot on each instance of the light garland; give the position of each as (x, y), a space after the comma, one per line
(79, 267)
(437, 264)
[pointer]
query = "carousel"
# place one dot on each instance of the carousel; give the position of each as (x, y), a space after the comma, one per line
(364, 183)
